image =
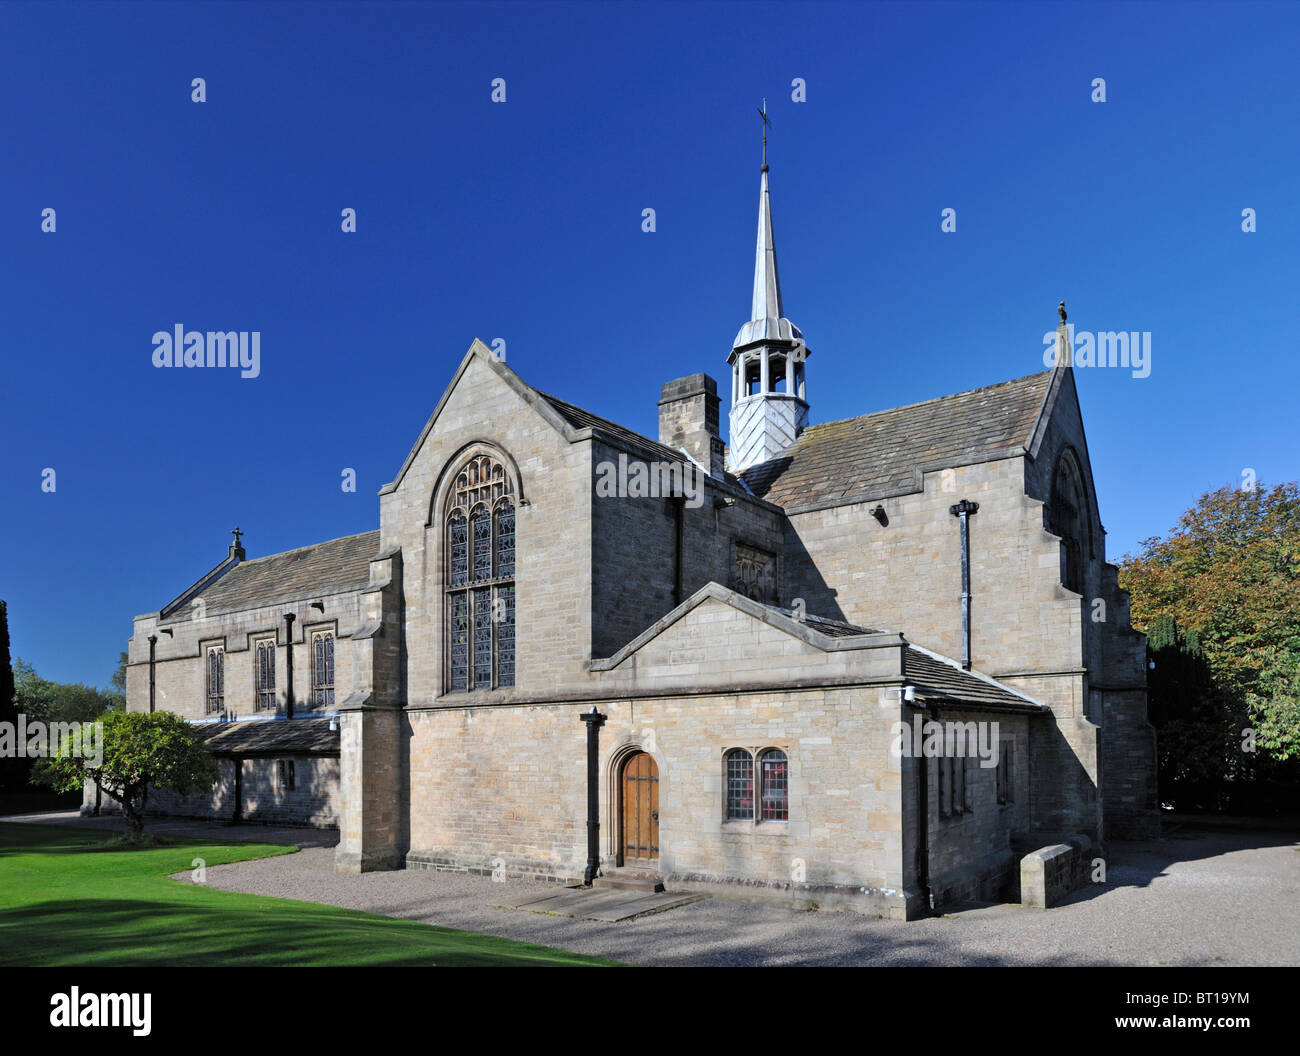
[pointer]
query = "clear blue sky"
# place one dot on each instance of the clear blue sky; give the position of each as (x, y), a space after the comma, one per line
(523, 221)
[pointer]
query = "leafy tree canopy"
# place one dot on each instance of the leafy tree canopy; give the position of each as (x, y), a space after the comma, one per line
(1229, 576)
(141, 752)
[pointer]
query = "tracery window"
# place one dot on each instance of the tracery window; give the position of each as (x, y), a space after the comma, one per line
(480, 525)
(216, 679)
(264, 675)
(322, 670)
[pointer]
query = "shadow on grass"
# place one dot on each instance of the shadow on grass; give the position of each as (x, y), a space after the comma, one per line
(25, 838)
(244, 930)
(68, 900)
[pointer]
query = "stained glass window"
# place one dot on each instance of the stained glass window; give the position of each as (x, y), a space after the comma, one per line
(504, 619)
(482, 525)
(480, 565)
(460, 640)
(216, 678)
(264, 675)
(505, 531)
(458, 549)
(322, 670)
(482, 638)
(740, 786)
(775, 771)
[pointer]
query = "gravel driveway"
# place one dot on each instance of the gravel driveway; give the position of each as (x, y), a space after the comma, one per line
(1191, 898)
(1195, 897)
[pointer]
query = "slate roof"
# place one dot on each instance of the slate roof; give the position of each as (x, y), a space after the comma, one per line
(940, 680)
(877, 455)
(325, 568)
(269, 737)
(580, 418)
(936, 678)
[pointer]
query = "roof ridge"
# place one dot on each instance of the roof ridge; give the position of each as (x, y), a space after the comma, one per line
(922, 403)
(309, 546)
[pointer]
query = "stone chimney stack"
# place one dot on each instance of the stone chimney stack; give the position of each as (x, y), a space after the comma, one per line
(688, 420)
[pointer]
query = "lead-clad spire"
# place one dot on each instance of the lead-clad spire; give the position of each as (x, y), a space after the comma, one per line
(769, 405)
(767, 315)
(767, 284)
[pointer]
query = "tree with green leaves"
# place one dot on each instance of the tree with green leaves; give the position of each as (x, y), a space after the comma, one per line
(1219, 599)
(140, 752)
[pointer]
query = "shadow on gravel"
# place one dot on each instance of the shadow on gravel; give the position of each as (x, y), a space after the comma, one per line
(1136, 863)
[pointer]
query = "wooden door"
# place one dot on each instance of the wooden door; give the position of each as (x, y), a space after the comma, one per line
(640, 839)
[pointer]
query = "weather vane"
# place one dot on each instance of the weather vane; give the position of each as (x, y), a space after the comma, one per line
(767, 121)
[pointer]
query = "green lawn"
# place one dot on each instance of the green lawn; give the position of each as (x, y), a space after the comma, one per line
(66, 901)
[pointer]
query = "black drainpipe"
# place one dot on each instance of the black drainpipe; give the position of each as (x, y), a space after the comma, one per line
(963, 511)
(923, 817)
(153, 642)
(594, 721)
(288, 662)
(679, 515)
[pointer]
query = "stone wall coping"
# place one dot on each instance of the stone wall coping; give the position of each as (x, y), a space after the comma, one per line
(796, 629)
(493, 699)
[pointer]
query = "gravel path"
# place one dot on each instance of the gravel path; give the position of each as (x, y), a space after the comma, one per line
(1195, 897)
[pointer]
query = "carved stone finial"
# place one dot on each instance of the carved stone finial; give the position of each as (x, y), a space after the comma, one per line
(1061, 309)
(236, 533)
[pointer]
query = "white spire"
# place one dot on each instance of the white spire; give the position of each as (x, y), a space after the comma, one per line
(767, 284)
(768, 405)
(767, 318)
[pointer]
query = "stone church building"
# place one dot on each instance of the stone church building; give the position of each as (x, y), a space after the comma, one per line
(756, 622)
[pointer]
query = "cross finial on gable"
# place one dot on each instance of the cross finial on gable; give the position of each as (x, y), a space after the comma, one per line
(237, 534)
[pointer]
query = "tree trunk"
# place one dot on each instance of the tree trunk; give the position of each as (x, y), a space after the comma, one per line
(133, 812)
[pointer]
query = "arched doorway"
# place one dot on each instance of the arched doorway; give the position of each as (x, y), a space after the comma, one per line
(638, 843)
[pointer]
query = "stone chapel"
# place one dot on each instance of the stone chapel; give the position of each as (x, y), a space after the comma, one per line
(752, 633)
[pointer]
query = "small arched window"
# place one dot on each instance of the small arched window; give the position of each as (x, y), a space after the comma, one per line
(774, 773)
(740, 785)
(479, 522)
(1066, 518)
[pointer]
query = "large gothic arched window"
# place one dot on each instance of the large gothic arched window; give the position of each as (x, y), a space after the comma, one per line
(480, 526)
(1066, 515)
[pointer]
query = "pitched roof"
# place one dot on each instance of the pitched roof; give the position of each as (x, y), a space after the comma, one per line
(323, 568)
(580, 418)
(269, 736)
(882, 454)
(938, 678)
